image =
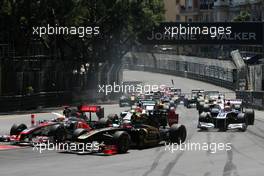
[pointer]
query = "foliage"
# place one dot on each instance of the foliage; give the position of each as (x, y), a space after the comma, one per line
(243, 16)
(121, 21)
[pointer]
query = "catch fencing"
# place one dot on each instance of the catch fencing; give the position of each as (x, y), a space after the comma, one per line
(221, 73)
(252, 99)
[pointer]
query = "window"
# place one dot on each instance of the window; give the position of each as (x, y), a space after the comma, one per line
(189, 4)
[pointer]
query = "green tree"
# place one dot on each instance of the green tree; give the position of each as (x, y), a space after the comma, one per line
(121, 22)
(243, 16)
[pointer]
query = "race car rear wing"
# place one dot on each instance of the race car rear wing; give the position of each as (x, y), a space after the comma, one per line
(92, 109)
(148, 103)
(88, 108)
(197, 90)
(233, 101)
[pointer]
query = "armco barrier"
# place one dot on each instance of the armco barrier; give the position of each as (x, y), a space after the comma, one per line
(42, 99)
(213, 80)
(81, 93)
(252, 99)
(214, 71)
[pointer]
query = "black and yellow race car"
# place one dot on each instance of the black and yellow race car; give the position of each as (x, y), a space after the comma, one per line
(140, 131)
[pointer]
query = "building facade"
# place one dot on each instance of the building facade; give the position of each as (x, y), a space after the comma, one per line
(188, 10)
(220, 11)
(229, 10)
(173, 9)
(213, 10)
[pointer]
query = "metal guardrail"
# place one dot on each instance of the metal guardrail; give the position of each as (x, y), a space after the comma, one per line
(217, 75)
(204, 78)
(80, 93)
(26, 102)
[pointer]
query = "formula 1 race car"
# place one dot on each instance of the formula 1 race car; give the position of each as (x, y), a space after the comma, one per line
(47, 131)
(4, 138)
(192, 101)
(128, 135)
(210, 99)
(231, 117)
(124, 101)
(176, 96)
(61, 129)
(139, 130)
(147, 104)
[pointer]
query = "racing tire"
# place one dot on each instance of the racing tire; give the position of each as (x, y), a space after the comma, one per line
(199, 106)
(177, 133)
(244, 118)
(202, 108)
(250, 115)
(203, 116)
(186, 102)
(16, 129)
(58, 132)
(188, 105)
(78, 132)
(122, 141)
(205, 108)
(140, 139)
(103, 122)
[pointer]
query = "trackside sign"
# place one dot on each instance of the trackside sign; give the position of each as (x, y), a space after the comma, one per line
(246, 33)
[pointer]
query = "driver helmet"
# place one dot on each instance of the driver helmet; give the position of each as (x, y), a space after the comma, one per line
(127, 124)
(227, 108)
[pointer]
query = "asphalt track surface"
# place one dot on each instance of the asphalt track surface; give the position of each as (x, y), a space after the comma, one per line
(244, 159)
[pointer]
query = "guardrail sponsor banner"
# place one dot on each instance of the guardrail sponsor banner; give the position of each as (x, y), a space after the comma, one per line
(245, 33)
